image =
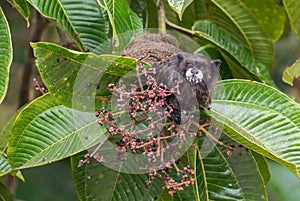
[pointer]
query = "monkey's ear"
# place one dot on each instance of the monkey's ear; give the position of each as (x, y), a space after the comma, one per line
(180, 57)
(175, 60)
(216, 62)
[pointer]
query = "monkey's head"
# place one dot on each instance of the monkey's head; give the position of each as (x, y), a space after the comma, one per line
(196, 68)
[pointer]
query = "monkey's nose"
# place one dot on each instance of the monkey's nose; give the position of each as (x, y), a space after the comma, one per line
(195, 71)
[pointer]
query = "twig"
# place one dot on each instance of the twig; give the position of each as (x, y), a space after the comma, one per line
(208, 134)
(138, 76)
(38, 87)
(100, 145)
(179, 28)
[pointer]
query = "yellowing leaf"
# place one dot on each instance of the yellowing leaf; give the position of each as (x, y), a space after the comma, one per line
(291, 73)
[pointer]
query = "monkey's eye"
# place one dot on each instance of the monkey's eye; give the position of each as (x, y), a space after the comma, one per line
(189, 65)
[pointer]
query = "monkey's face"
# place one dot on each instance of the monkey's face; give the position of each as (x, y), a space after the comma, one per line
(195, 68)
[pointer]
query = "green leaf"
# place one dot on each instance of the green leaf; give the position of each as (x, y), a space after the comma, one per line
(140, 8)
(292, 7)
(179, 6)
(5, 195)
(5, 167)
(22, 7)
(94, 181)
(5, 55)
(5, 133)
(46, 131)
(122, 20)
(291, 73)
(234, 17)
(83, 20)
(73, 77)
(194, 12)
(220, 176)
(238, 57)
(188, 193)
(263, 166)
(269, 15)
(261, 118)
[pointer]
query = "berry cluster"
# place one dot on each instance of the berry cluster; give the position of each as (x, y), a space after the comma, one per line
(149, 129)
(184, 178)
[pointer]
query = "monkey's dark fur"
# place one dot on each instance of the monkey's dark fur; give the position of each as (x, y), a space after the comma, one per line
(198, 73)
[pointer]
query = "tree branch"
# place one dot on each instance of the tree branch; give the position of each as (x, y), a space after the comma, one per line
(161, 16)
(38, 23)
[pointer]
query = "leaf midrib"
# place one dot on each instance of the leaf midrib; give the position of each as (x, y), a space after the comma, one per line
(237, 25)
(255, 105)
(58, 141)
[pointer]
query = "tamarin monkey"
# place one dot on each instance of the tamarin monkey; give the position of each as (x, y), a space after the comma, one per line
(162, 52)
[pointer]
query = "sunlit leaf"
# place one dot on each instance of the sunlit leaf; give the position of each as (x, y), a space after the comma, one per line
(4, 165)
(179, 6)
(22, 7)
(261, 118)
(5, 168)
(5, 55)
(291, 73)
(292, 8)
(271, 19)
(122, 20)
(76, 78)
(83, 20)
(194, 12)
(234, 17)
(46, 131)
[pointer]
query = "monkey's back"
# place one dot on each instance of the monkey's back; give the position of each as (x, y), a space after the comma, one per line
(153, 48)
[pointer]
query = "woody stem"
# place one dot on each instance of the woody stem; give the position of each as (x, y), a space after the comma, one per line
(161, 16)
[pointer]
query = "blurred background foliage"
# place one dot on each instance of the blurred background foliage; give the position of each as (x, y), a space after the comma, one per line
(54, 182)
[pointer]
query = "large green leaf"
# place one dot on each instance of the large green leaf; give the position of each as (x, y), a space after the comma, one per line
(73, 77)
(269, 15)
(292, 8)
(5, 168)
(5, 55)
(22, 7)
(235, 18)
(5, 133)
(5, 195)
(83, 20)
(122, 20)
(94, 181)
(179, 6)
(4, 165)
(220, 176)
(238, 57)
(263, 166)
(194, 12)
(46, 131)
(261, 118)
(291, 73)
